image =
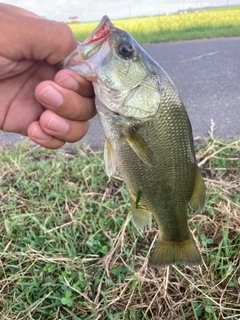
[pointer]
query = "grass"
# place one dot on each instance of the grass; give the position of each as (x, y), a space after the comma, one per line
(223, 22)
(69, 250)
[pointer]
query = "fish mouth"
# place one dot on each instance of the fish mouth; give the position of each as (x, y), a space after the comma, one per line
(97, 38)
(101, 32)
(90, 46)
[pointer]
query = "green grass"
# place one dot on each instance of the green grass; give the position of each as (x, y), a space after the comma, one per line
(222, 22)
(69, 250)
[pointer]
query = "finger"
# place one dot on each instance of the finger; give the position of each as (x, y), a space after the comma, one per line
(54, 126)
(62, 128)
(75, 82)
(54, 42)
(65, 102)
(37, 135)
(16, 11)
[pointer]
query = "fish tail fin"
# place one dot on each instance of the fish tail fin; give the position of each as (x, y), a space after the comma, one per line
(167, 253)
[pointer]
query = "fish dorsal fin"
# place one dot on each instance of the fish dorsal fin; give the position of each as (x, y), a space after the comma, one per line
(109, 158)
(139, 146)
(141, 216)
(198, 197)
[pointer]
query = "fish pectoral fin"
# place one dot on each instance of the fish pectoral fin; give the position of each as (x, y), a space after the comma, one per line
(197, 200)
(109, 158)
(142, 218)
(167, 253)
(140, 147)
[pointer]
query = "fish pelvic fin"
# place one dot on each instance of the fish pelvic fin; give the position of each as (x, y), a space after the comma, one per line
(142, 218)
(197, 200)
(168, 253)
(110, 158)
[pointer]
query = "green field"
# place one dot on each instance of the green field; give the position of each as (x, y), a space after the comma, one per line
(69, 250)
(222, 22)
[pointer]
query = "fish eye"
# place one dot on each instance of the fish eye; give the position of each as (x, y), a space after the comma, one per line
(125, 49)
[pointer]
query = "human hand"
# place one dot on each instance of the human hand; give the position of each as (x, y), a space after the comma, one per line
(36, 99)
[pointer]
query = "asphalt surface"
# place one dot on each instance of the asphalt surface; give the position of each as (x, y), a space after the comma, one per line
(207, 75)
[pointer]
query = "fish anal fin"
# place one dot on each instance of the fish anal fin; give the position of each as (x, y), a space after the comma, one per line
(142, 218)
(168, 253)
(109, 158)
(197, 200)
(139, 146)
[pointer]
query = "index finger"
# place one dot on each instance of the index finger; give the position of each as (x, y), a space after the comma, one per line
(75, 82)
(65, 102)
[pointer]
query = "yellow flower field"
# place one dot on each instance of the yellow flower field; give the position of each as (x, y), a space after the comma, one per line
(201, 24)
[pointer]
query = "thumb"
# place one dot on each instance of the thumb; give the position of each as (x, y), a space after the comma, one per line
(28, 36)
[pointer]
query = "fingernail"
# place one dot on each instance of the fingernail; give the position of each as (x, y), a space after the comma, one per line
(69, 83)
(50, 96)
(39, 134)
(57, 124)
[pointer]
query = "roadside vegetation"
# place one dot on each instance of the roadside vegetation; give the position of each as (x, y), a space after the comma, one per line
(69, 250)
(223, 22)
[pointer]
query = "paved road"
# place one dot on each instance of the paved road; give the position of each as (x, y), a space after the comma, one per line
(207, 74)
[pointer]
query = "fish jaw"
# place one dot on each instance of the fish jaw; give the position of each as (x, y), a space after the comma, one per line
(88, 67)
(101, 31)
(89, 54)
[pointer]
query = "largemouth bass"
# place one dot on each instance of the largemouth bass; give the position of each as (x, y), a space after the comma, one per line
(148, 135)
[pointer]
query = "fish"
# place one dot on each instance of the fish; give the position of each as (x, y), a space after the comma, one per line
(148, 136)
